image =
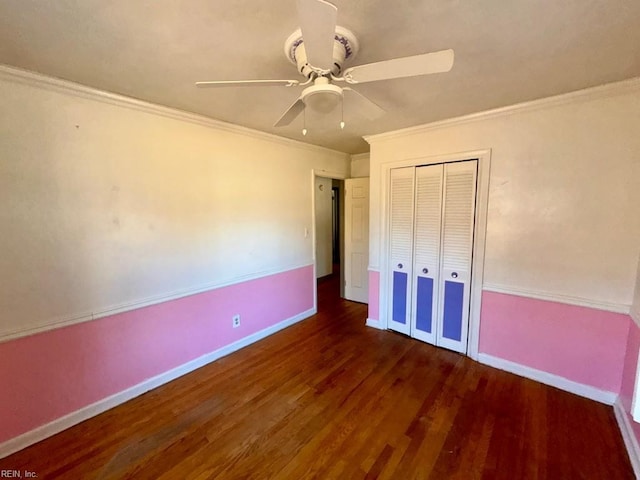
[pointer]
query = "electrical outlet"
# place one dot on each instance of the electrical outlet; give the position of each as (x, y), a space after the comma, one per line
(236, 321)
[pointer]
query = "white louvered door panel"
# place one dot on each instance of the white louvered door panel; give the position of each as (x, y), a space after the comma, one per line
(426, 261)
(401, 201)
(457, 246)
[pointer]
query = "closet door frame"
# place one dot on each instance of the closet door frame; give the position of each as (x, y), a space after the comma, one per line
(477, 268)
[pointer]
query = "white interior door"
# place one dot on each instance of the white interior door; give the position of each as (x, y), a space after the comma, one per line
(426, 257)
(458, 215)
(356, 237)
(401, 248)
(324, 219)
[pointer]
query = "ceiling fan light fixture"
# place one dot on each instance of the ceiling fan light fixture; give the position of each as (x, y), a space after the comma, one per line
(322, 96)
(322, 102)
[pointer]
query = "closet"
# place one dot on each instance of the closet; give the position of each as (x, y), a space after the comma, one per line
(432, 212)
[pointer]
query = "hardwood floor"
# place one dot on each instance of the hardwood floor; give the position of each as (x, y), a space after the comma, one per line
(331, 398)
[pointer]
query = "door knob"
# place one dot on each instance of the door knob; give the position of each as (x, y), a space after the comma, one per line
(454, 274)
(399, 265)
(425, 270)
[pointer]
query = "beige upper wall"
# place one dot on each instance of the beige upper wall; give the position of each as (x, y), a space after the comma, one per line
(360, 165)
(564, 193)
(105, 205)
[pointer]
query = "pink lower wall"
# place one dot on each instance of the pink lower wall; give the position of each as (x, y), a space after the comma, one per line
(48, 375)
(629, 372)
(588, 346)
(374, 295)
(581, 344)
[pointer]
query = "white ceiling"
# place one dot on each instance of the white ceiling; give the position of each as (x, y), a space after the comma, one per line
(506, 52)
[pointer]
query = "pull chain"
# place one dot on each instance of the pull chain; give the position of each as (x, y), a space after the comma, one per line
(304, 121)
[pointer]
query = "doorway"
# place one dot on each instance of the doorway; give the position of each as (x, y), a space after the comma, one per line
(335, 224)
(328, 196)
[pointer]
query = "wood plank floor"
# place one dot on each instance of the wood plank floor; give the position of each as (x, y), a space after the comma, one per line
(331, 398)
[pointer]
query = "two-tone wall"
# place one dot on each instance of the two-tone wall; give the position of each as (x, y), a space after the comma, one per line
(630, 387)
(562, 236)
(131, 234)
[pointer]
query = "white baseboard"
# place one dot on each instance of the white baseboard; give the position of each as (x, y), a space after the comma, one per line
(374, 324)
(630, 440)
(557, 381)
(71, 419)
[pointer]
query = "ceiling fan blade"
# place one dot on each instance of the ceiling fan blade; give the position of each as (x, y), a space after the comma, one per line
(424, 64)
(366, 107)
(248, 83)
(318, 25)
(292, 112)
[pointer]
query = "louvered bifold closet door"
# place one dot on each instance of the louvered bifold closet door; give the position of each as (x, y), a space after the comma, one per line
(401, 235)
(426, 262)
(457, 247)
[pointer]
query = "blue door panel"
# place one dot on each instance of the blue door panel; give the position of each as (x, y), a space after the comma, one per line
(453, 308)
(399, 313)
(424, 304)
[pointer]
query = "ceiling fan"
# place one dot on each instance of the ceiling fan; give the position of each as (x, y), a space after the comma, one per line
(319, 49)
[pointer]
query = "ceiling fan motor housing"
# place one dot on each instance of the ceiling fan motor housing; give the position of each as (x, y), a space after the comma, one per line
(345, 47)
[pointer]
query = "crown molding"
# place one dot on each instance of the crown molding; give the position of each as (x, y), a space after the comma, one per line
(37, 80)
(592, 93)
